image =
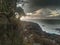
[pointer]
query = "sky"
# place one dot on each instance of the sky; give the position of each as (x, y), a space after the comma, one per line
(46, 2)
(34, 5)
(46, 8)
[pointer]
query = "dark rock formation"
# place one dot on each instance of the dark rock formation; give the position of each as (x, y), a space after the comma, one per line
(42, 37)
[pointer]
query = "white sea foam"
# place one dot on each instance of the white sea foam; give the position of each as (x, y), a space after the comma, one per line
(46, 26)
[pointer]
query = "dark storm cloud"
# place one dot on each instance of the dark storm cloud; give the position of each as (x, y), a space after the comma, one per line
(38, 4)
(46, 2)
(34, 5)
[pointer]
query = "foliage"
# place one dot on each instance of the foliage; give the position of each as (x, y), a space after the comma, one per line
(9, 26)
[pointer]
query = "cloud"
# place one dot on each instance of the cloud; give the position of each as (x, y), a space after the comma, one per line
(45, 13)
(46, 2)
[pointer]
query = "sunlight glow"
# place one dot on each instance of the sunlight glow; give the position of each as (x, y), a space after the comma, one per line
(54, 13)
(38, 14)
(29, 13)
(22, 18)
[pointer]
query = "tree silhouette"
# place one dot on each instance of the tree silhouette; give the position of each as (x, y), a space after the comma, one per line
(10, 27)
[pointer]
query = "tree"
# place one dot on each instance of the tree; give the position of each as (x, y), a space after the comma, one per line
(9, 25)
